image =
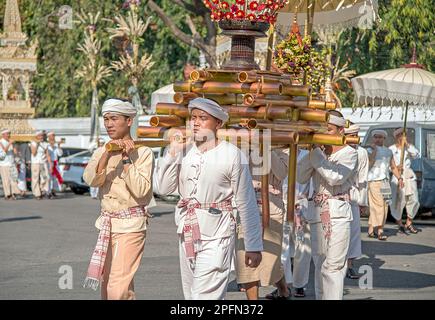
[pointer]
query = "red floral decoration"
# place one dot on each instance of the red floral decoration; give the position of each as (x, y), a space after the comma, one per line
(253, 6)
(240, 14)
(251, 10)
(251, 17)
(225, 5)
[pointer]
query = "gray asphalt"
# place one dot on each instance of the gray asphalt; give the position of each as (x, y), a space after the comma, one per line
(39, 238)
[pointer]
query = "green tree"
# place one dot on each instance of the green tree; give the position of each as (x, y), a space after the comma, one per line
(195, 29)
(404, 24)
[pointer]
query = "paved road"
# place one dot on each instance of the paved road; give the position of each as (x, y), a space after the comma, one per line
(37, 238)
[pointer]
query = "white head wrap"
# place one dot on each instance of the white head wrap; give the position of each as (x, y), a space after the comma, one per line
(397, 132)
(5, 131)
(50, 133)
(354, 128)
(337, 121)
(380, 133)
(118, 106)
(209, 106)
(39, 133)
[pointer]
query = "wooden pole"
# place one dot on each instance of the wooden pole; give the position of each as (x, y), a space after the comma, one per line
(402, 155)
(270, 43)
(291, 191)
(113, 147)
(265, 206)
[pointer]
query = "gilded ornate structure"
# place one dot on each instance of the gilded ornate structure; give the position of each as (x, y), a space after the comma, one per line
(17, 65)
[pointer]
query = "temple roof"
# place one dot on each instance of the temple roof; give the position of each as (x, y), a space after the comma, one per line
(12, 32)
(15, 54)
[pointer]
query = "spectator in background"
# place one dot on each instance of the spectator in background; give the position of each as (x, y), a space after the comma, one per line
(20, 151)
(41, 166)
(7, 158)
(407, 196)
(379, 194)
(55, 152)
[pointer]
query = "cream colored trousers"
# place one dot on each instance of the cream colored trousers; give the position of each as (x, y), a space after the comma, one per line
(9, 187)
(40, 179)
(123, 259)
(208, 277)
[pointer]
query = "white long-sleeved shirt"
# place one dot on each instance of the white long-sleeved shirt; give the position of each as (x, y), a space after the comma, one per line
(380, 169)
(213, 176)
(411, 153)
(40, 157)
(331, 175)
(9, 159)
(358, 193)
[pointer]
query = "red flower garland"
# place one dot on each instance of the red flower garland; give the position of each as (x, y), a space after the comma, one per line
(252, 10)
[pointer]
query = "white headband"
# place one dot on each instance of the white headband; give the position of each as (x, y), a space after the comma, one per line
(50, 133)
(6, 131)
(118, 106)
(337, 121)
(380, 132)
(209, 106)
(354, 128)
(397, 132)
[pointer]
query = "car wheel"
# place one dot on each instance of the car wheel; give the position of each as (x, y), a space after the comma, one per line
(78, 190)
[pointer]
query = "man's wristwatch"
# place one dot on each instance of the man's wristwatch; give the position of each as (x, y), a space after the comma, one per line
(126, 161)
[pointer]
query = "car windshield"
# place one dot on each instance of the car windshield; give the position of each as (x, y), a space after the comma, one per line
(390, 139)
(429, 146)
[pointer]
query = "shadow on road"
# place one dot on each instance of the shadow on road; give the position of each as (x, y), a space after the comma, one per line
(20, 219)
(394, 279)
(373, 248)
(390, 278)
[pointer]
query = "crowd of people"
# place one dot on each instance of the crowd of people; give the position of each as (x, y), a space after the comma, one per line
(218, 217)
(219, 214)
(41, 156)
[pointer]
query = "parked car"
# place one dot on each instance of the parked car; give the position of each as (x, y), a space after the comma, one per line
(423, 137)
(69, 151)
(72, 168)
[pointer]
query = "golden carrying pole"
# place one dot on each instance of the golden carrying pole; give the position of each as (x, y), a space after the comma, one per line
(113, 147)
(291, 194)
(321, 138)
(265, 205)
(210, 87)
(166, 121)
(352, 140)
(172, 109)
(160, 132)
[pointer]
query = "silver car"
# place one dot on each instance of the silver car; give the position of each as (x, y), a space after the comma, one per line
(72, 168)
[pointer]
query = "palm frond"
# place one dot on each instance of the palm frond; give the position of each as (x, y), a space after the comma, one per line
(132, 27)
